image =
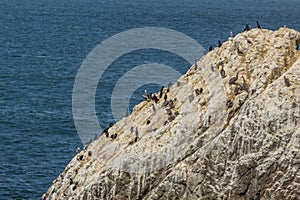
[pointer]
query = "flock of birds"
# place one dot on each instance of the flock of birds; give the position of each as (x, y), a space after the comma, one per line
(170, 103)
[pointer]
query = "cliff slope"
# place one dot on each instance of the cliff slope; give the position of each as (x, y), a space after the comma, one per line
(229, 129)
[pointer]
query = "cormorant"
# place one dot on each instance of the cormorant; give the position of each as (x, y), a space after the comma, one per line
(247, 27)
(191, 98)
(244, 85)
(229, 103)
(145, 95)
(222, 72)
(234, 79)
(258, 25)
(106, 132)
(287, 81)
(210, 48)
(169, 112)
(161, 91)
(165, 97)
(148, 122)
(219, 43)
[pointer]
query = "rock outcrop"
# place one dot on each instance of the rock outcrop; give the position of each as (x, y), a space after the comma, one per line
(229, 129)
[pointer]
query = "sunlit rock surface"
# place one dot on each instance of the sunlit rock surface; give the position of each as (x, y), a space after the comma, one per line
(219, 138)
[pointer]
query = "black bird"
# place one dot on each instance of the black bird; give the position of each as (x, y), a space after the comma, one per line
(244, 85)
(234, 79)
(229, 103)
(247, 27)
(145, 95)
(161, 91)
(210, 48)
(165, 97)
(222, 72)
(257, 25)
(287, 81)
(154, 97)
(171, 103)
(219, 43)
(106, 132)
(148, 122)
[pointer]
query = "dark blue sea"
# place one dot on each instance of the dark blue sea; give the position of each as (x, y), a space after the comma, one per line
(42, 46)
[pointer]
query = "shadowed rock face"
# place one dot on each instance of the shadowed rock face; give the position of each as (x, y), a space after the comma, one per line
(231, 141)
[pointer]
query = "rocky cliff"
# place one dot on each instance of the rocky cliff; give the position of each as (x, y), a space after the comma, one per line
(229, 129)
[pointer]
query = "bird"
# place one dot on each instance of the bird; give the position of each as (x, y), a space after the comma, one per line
(219, 43)
(236, 90)
(198, 91)
(222, 72)
(161, 91)
(229, 103)
(148, 122)
(196, 66)
(231, 34)
(154, 97)
(171, 118)
(106, 132)
(287, 81)
(89, 153)
(191, 98)
(136, 132)
(210, 48)
(77, 150)
(145, 95)
(258, 25)
(234, 79)
(244, 85)
(247, 27)
(171, 103)
(153, 108)
(126, 114)
(168, 111)
(165, 97)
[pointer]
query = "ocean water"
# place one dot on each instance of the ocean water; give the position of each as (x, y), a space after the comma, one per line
(42, 45)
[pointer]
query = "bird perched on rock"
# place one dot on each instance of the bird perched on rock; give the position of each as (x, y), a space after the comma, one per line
(161, 91)
(287, 81)
(234, 79)
(247, 27)
(77, 150)
(106, 132)
(145, 95)
(210, 48)
(165, 97)
(136, 134)
(244, 85)
(219, 43)
(231, 34)
(222, 72)
(258, 25)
